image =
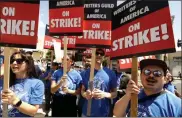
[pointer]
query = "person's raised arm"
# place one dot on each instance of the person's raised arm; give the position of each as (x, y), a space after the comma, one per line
(122, 104)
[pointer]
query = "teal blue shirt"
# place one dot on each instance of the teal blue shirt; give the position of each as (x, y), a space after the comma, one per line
(29, 90)
(73, 77)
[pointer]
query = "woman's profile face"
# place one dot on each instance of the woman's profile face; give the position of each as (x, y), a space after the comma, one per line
(18, 64)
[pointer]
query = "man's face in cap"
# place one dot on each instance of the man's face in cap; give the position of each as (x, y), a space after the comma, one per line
(152, 78)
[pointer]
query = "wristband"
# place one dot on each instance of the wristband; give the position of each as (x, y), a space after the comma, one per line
(18, 103)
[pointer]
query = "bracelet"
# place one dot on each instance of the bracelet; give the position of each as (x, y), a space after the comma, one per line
(18, 103)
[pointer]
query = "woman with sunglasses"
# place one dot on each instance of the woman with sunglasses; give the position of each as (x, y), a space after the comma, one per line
(26, 92)
(64, 90)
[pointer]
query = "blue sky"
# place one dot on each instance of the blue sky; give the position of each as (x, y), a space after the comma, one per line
(175, 9)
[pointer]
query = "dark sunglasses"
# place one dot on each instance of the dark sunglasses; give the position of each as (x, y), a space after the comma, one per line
(156, 73)
(101, 53)
(18, 61)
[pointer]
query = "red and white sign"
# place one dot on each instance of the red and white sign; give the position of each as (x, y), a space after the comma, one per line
(19, 24)
(49, 42)
(71, 41)
(108, 52)
(127, 63)
(95, 33)
(66, 17)
(87, 51)
(151, 33)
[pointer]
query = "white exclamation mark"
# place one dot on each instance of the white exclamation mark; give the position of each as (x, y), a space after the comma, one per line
(32, 28)
(79, 22)
(164, 32)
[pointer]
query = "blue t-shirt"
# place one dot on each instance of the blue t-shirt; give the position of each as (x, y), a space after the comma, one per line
(73, 80)
(1, 60)
(164, 105)
(170, 87)
(28, 90)
(47, 82)
(1, 87)
(105, 80)
(119, 77)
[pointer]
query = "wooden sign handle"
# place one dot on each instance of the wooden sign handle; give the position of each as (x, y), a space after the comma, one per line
(134, 97)
(91, 80)
(7, 54)
(52, 56)
(65, 56)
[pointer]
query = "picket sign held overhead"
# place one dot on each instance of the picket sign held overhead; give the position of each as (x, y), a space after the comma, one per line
(66, 17)
(133, 35)
(141, 28)
(18, 29)
(18, 26)
(96, 29)
(49, 42)
(97, 24)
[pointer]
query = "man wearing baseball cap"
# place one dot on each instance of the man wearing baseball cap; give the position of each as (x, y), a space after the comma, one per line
(153, 100)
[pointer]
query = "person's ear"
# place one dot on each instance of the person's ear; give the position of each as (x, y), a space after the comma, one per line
(165, 79)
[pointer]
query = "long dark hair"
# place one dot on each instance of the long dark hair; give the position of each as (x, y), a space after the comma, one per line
(31, 73)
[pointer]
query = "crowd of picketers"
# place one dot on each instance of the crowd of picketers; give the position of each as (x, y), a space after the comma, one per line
(68, 95)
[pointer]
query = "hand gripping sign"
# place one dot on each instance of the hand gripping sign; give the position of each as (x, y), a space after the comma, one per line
(141, 28)
(18, 28)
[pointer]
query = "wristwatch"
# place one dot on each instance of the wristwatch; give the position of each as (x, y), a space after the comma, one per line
(18, 103)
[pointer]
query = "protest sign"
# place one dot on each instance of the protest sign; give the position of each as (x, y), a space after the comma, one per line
(18, 26)
(127, 63)
(140, 29)
(97, 24)
(71, 41)
(66, 17)
(49, 42)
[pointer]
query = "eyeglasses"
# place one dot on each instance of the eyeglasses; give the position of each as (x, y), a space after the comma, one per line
(18, 61)
(156, 73)
(101, 53)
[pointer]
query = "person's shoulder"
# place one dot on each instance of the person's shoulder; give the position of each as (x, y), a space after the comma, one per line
(33, 82)
(86, 71)
(109, 71)
(172, 96)
(58, 71)
(75, 72)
